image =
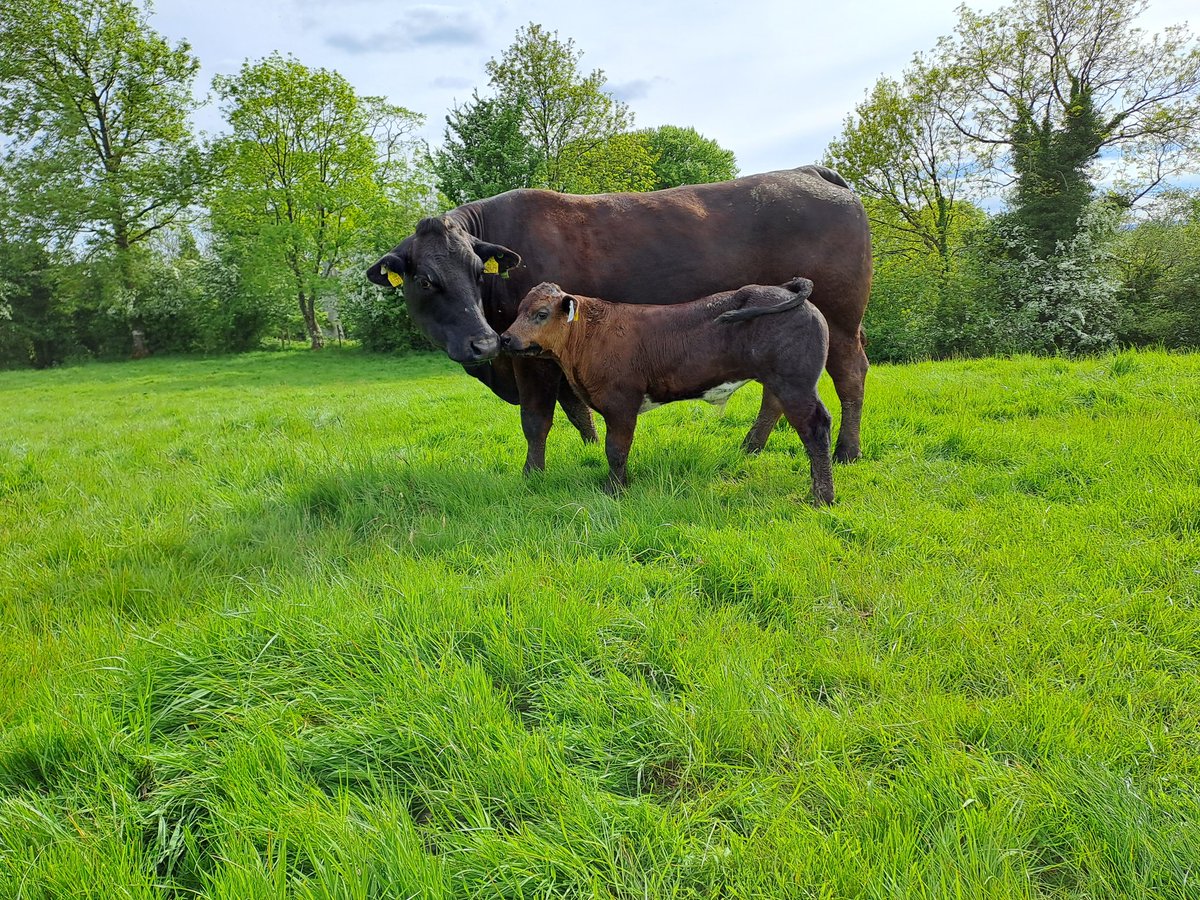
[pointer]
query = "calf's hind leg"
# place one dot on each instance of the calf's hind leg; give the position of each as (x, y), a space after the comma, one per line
(812, 422)
(768, 415)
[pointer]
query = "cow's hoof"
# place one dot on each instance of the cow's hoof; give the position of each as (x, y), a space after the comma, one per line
(843, 455)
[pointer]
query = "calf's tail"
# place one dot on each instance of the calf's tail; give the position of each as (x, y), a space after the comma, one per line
(800, 289)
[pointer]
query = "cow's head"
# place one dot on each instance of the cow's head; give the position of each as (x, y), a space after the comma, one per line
(543, 322)
(441, 270)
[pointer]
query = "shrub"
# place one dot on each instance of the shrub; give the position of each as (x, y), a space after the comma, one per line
(379, 321)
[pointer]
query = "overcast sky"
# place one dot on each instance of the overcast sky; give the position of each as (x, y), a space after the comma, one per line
(771, 80)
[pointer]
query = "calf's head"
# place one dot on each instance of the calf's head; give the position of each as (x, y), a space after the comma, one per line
(543, 323)
(441, 268)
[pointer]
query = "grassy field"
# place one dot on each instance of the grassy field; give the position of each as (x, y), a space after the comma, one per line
(292, 625)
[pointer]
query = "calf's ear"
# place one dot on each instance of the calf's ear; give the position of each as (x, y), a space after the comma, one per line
(388, 270)
(570, 306)
(496, 259)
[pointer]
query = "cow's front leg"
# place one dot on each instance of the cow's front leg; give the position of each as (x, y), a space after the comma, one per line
(618, 437)
(537, 383)
(577, 412)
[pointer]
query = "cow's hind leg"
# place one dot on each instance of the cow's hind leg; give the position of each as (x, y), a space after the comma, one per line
(768, 415)
(808, 415)
(847, 365)
(577, 412)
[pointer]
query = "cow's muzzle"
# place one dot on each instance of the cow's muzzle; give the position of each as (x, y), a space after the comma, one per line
(478, 349)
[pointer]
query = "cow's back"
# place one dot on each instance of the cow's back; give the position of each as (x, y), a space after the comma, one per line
(675, 245)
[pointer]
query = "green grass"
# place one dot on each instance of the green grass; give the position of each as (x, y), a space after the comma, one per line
(295, 625)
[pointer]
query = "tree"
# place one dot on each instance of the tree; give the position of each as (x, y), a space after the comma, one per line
(1045, 87)
(684, 156)
(308, 170)
(564, 115)
(621, 162)
(902, 150)
(96, 107)
(485, 153)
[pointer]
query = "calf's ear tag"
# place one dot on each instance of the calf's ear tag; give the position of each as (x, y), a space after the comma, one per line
(491, 267)
(570, 310)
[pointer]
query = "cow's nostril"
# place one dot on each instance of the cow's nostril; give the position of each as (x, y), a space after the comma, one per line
(485, 346)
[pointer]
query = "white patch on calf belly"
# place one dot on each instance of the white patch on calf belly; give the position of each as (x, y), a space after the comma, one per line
(647, 405)
(722, 392)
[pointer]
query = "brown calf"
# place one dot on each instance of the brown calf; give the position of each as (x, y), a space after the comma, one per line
(624, 359)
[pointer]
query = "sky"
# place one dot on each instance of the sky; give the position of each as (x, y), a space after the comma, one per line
(771, 80)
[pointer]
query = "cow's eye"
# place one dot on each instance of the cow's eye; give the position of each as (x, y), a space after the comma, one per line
(424, 282)
(542, 315)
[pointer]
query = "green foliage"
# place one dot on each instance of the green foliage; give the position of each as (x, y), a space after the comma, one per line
(620, 162)
(305, 630)
(566, 116)
(485, 152)
(1159, 262)
(35, 328)
(684, 156)
(379, 321)
(308, 168)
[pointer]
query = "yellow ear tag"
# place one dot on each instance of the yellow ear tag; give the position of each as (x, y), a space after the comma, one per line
(491, 267)
(394, 278)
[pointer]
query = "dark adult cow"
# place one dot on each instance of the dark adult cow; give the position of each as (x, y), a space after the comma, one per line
(660, 247)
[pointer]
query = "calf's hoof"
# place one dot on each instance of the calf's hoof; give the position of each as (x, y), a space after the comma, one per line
(614, 488)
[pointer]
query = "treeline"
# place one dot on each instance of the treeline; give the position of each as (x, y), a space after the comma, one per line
(1018, 177)
(124, 233)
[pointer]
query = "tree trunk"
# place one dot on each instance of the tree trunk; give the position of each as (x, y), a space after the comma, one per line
(137, 333)
(309, 312)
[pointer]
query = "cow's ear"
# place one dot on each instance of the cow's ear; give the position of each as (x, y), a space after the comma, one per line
(388, 270)
(801, 286)
(570, 308)
(496, 259)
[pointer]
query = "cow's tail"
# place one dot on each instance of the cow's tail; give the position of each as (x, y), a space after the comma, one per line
(829, 175)
(800, 289)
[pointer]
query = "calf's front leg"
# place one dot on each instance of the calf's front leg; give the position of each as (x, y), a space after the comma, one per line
(618, 437)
